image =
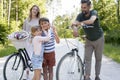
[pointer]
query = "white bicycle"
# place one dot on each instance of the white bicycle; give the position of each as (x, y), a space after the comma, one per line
(72, 64)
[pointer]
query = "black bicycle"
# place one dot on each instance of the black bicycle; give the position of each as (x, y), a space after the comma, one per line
(70, 66)
(16, 63)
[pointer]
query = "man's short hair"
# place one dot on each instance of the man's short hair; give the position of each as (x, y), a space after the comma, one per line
(86, 1)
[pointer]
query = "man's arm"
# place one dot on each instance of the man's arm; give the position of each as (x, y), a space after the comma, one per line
(90, 21)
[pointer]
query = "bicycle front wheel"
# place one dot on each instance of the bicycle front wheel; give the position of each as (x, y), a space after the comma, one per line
(69, 68)
(13, 67)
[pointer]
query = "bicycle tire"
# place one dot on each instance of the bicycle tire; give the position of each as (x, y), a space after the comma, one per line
(65, 65)
(10, 71)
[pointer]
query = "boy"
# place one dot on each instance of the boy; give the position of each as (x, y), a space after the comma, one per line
(49, 49)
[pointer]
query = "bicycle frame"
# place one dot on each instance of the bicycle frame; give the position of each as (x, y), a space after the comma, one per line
(24, 57)
(75, 61)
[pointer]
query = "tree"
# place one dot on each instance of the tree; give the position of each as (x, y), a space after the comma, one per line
(107, 13)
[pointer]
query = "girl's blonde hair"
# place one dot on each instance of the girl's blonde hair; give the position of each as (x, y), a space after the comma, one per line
(34, 29)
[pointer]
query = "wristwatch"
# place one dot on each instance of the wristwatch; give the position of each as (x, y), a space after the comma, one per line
(82, 24)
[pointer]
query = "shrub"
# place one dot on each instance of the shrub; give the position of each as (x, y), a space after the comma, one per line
(3, 31)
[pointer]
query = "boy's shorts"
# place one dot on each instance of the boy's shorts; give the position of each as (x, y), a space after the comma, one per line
(37, 61)
(49, 59)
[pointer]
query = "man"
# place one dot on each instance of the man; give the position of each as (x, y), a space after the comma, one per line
(89, 21)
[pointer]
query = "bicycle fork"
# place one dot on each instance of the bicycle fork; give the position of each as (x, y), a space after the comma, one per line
(75, 62)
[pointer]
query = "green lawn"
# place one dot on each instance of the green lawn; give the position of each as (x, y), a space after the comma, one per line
(4, 51)
(110, 50)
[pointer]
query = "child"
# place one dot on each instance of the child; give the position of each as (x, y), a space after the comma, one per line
(49, 49)
(37, 57)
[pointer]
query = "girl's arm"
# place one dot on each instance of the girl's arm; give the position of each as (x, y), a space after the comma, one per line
(47, 37)
(57, 39)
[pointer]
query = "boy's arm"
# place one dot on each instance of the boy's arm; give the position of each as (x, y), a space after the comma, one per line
(57, 39)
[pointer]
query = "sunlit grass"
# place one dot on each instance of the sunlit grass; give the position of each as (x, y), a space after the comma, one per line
(4, 51)
(112, 51)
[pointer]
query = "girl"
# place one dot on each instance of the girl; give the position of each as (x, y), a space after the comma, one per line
(37, 57)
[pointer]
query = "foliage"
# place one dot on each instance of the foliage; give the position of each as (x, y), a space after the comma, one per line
(62, 23)
(23, 9)
(108, 19)
(3, 32)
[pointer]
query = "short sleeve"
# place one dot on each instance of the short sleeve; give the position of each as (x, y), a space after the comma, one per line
(94, 13)
(79, 17)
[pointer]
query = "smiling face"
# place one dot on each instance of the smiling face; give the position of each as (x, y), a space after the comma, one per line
(35, 31)
(34, 11)
(44, 25)
(85, 8)
(38, 32)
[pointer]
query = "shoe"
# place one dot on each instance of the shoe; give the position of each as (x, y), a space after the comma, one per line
(87, 78)
(26, 79)
(97, 78)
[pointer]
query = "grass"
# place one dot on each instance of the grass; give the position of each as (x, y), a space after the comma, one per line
(4, 51)
(112, 51)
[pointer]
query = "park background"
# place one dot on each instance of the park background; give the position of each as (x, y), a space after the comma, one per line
(61, 13)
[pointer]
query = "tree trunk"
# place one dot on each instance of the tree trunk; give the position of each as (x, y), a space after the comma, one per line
(9, 9)
(16, 10)
(118, 10)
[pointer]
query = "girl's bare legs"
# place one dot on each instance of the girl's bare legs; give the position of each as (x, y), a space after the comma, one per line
(37, 74)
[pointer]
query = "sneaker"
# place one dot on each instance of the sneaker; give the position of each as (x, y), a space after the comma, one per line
(97, 78)
(87, 79)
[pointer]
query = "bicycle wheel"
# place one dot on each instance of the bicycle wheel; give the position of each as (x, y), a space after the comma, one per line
(13, 67)
(69, 68)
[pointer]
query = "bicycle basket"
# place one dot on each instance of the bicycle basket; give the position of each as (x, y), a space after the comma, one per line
(19, 39)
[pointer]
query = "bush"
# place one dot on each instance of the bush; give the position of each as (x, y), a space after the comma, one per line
(3, 32)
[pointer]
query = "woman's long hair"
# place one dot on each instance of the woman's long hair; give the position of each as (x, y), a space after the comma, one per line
(38, 14)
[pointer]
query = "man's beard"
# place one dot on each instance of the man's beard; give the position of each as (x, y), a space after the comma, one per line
(84, 13)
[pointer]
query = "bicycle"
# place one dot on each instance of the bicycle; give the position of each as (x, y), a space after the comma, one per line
(17, 62)
(72, 64)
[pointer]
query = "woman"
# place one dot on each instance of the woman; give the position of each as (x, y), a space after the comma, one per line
(32, 20)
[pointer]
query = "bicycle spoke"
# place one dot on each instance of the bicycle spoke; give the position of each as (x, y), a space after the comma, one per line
(13, 69)
(69, 68)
